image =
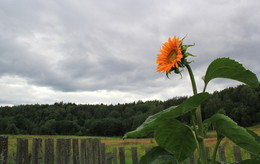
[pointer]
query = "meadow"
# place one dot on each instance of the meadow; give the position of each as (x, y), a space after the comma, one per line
(141, 144)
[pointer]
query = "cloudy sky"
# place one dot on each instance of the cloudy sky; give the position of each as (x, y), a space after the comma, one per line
(90, 51)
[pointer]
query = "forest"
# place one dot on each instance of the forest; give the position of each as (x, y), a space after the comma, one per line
(241, 103)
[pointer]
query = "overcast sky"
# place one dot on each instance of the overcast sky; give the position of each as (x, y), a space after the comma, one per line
(90, 51)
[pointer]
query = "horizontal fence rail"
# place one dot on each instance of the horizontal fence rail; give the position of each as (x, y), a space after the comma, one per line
(81, 151)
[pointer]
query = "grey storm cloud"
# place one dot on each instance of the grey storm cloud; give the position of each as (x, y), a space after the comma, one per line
(72, 46)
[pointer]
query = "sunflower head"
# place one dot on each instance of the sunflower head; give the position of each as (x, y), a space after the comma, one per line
(172, 56)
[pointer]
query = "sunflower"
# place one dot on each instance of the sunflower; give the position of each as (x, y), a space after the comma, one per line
(171, 55)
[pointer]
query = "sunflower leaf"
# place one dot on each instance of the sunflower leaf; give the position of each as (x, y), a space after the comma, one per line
(249, 161)
(151, 122)
(157, 155)
(176, 138)
(230, 69)
(244, 138)
(147, 126)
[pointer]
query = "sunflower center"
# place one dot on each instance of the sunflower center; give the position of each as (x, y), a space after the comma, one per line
(173, 55)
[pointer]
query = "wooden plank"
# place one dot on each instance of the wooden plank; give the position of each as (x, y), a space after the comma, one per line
(109, 158)
(67, 142)
(146, 149)
(89, 151)
(222, 155)
(192, 159)
(252, 156)
(207, 151)
(49, 151)
(61, 151)
(3, 149)
(237, 154)
(37, 151)
(121, 155)
(96, 150)
(67, 148)
(103, 153)
(134, 155)
(22, 156)
(114, 152)
(75, 149)
(83, 158)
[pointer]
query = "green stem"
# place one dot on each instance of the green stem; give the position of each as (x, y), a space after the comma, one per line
(200, 133)
(215, 151)
(193, 83)
(193, 121)
(204, 89)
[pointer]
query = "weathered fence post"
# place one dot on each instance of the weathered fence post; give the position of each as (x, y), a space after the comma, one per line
(134, 155)
(59, 151)
(114, 152)
(237, 154)
(192, 159)
(109, 157)
(103, 153)
(89, 151)
(96, 150)
(3, 149)
(67, 150)
(22, 156)
(146, 149)
(63, 151)
(207, 151)
(122, 155)
(222, 155)
(83, 146)
(75, 149)
(49, 151)
(37, 151)
(252, 156)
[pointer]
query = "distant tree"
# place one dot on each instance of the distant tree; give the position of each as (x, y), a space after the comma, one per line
(128, 112)
(66, 127)
(11, 129)
(138, 120)
(114, 114)
(241, 103)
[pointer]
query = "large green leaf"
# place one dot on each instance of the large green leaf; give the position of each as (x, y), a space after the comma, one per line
(152, 121)
(157, 155)
(187, 106)
(249, 161)
(239, 135)
(228, 68)
(257, 138)
(176, 138)
(147, 126)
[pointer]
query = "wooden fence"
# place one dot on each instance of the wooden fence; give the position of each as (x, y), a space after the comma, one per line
(78, 151)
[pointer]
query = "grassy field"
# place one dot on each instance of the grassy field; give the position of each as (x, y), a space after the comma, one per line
(112, 142)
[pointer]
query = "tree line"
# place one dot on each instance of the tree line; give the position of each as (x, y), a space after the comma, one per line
(241, 103)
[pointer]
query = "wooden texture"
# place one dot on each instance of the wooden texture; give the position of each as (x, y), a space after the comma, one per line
(122, 155)
(22, 156)
(237, 154)
(114, 151)
(222, 155)
(83, 151)
(134, 155)
(49, 151)
(192, 159)
(37, 151)
(3, 149)
(63, 147)
(75, 150)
